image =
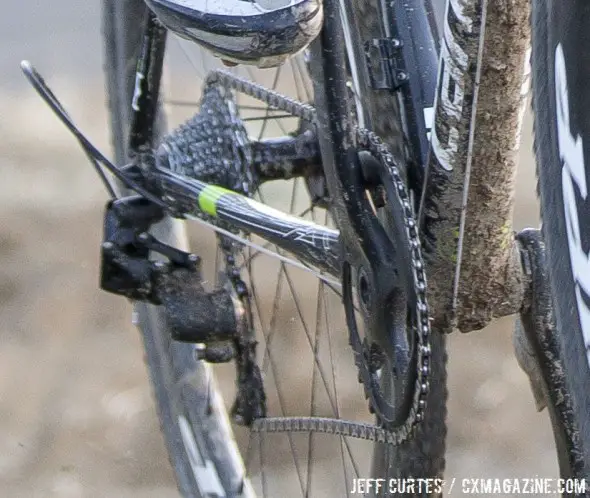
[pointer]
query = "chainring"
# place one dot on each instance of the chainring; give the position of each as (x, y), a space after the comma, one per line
(405, 240)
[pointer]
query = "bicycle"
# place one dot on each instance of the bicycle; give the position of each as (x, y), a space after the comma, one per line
(422, 187)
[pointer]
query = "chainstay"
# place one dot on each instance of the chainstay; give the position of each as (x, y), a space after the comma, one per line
(369, 141)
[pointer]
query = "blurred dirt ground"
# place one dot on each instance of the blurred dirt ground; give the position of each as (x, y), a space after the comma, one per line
(76, 416)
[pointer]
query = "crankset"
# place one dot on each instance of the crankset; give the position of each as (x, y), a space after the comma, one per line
(384, 264)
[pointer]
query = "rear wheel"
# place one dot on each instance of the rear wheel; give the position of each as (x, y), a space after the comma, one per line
(303, 350)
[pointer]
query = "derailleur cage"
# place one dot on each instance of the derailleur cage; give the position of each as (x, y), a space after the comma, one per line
(212, 319)
(193, 314)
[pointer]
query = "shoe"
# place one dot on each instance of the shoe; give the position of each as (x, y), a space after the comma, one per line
(262, 33)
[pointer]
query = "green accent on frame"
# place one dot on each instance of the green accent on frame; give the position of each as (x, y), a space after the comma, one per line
(209, 196)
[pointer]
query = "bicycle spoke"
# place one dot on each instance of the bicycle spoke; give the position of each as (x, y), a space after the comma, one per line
(275, 290)
(279, 392)
(273, 254)
(343, 442)
(262, 466)
(310, 343)
(183, 49)
(266, 355)
(324, 304)
(303, 92)
(313, 390)
(297, 82)
(252, 257)
(274, 87)
(181, 103)
(260, 118)
(299, 312)
(268, 360)
(306, 79)
(283, 271)
(317, 364)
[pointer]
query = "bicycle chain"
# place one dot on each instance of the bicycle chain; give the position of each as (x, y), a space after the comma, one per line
(369, 141)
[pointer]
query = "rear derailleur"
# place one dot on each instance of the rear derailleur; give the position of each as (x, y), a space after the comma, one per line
(136, 265)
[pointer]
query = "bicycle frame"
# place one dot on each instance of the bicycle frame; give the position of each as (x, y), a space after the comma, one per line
(468, 187)
(316, 245)
(467, 206)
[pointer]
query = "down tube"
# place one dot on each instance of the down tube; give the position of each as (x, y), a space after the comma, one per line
(466, 212)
